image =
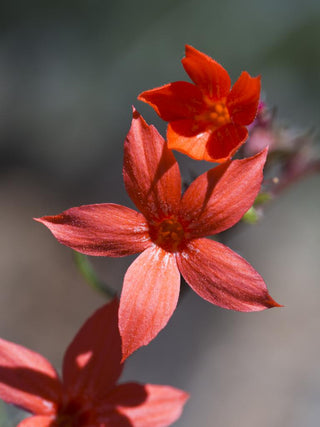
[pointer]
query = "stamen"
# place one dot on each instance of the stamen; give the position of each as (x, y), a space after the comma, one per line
(215, 115)
(168, 234)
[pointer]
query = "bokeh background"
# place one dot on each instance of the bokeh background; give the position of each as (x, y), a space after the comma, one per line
(69, 73)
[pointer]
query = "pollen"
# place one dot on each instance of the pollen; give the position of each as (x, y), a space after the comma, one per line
(168, 234)
(215, 115)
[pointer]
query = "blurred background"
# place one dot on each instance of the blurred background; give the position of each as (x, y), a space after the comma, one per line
(69, 73)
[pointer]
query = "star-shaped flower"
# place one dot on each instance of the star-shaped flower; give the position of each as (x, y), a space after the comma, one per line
(87, 395)
(169, 232)
(207, 120)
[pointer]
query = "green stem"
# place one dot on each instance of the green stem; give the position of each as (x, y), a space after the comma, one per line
(85, 268)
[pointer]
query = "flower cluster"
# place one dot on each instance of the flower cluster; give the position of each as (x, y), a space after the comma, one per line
(207, 120)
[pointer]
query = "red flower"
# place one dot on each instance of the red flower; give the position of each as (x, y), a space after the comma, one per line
(87, 396)
(207, 121)
(170, 233)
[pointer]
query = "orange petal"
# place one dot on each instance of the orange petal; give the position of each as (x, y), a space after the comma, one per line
(189, 138)
(243, 100)
(92, 362)
(150, 171)
(211, 78)
(219, 198)
(28, 380)
(225, 142)
(222, 277)
(102, 230)
(174, 101)
(202, 143)
(145, 405)
(149, 297)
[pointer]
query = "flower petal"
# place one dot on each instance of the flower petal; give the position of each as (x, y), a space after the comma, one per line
(189, 137)
(110, 417)
(28, 380)
(174, 101)
(145, 405)
(202, 143)
(92, 362)
(150, 171)
(219, 198)
(38, 421)
(222, 277)
(207, 74)
(243, 100)
(149, 297)
(102, 230)
(225, 141)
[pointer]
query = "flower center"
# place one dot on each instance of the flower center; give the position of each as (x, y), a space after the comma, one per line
(65, 421)
(72, 415)
(169, 234)
(216, 114)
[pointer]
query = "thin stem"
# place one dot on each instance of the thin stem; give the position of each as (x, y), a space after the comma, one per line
(87, 271)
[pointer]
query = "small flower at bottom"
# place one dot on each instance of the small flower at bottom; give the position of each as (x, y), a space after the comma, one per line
(87, 395)
(207, 120)
(170, 231)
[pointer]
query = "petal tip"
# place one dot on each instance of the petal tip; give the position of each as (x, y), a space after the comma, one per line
(188, 47)
(185, 396)
(189, 50)
(126, 353)
(141, 96)
(128, 347)
(51, 219)
(135, 112)
(271, 303)
(263, 154)
(266, 303)
(45, 219)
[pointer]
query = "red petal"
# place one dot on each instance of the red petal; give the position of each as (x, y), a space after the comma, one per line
(145, 405)
(200, 143)
(219, 198)
(28, 380)
(243, 100)
(107, 417)
(207, 74)
(225, 141)
(38, 421)
(222, 277)
(150, 171)
(101, 230)
(92, 362)
(174, 101)
(149, 297)
(189, 138)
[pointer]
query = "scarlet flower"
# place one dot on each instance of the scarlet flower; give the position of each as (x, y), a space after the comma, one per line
(170, 233)
(207, 120)
(87, 395)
